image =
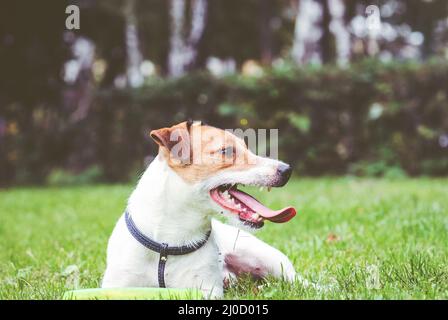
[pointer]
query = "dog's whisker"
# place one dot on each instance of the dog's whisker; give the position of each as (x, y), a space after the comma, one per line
(236, 239)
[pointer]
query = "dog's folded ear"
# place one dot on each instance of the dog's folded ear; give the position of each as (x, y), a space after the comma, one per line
(176, 140)
(163, 138)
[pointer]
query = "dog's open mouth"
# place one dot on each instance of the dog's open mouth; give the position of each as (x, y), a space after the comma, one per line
(249, 209)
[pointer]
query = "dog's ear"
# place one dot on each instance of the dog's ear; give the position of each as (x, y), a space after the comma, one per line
(176, 139)
(163, 137)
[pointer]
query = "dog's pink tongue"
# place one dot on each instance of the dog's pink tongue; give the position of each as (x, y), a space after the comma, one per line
(278, 216)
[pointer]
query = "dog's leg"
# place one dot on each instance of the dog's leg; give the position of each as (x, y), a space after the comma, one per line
(115, 278)
(129, 264)
(243, 253)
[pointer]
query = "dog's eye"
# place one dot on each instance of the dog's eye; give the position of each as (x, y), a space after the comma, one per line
(227, 151)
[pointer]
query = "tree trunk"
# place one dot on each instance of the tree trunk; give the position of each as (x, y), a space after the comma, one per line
(183, 52)
(175, 58)
(374, 28)
(307, 32)
(265, 31)
(78, 71)
(134, 56)
(340, 31)
(326, 45)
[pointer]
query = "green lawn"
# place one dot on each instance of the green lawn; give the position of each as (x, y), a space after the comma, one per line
(355, 238)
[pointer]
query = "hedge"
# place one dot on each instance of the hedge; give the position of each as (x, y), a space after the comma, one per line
(370, 118)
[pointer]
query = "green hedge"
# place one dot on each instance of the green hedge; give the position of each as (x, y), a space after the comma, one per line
(367, 119)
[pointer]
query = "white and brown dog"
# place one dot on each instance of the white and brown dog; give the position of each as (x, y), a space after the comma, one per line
(175, 202)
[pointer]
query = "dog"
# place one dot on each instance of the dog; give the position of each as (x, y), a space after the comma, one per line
(178, 200)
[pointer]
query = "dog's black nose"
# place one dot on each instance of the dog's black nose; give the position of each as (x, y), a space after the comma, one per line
(284, 173)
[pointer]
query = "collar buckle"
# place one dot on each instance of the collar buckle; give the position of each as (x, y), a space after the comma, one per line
(163, 251)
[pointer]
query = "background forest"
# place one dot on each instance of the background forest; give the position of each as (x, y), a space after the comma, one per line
(354, 87)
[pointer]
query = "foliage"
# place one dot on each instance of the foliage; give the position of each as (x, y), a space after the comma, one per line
(366, 120)
(355, 238)
(60, 177)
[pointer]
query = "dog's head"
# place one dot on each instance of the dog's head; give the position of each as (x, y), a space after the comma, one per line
(214, 162)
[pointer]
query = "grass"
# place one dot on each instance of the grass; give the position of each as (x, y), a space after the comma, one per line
(355, 238)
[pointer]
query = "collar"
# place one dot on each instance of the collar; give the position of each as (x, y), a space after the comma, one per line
(162, 248)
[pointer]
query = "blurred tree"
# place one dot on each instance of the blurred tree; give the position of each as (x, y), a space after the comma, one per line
(326, 42)
(134, 55)
(266, 31)
(307, 32)
(233, 33)
(127, 8)
(154, 29)
(339, 28)
(423, 16)
(184, 40)
(32, 53)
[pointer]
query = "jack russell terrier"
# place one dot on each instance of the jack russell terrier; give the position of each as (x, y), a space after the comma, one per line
(168, 237)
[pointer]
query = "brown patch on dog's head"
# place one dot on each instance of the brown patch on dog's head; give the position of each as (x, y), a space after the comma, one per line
(196, 152)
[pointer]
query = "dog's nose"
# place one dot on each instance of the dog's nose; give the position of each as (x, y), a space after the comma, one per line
(284, 172)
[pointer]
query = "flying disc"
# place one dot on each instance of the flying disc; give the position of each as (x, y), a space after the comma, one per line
(134, 294)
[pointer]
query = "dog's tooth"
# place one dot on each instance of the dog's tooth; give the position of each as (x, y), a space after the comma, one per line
(255, 216)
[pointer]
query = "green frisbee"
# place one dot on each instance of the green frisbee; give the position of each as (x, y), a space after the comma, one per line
(134, 294)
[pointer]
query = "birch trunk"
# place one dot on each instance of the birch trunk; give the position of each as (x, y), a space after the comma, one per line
(340, 31)
(78, 72)
(183, 52)
(134, 56)
(307, 32)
